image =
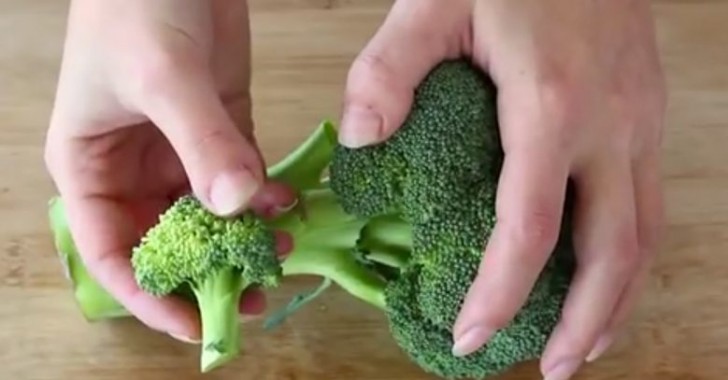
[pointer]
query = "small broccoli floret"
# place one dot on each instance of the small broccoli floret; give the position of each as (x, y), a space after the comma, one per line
(217, 258)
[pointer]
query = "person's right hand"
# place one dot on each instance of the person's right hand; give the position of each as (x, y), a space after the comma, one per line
(581, 97)
(153, 101)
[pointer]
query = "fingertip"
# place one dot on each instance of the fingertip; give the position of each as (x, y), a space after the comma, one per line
(232, 191)
(601, 347)
(182, 323)
(360, 126)
(284, 244)
(471, 340)
(171, 315)
(273, 199)
(252, 303)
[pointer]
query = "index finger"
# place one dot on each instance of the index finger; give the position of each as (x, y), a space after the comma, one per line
(529, 207)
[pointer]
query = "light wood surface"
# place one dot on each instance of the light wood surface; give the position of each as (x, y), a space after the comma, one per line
(302, 50)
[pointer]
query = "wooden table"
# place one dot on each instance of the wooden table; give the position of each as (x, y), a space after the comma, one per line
(302, 50)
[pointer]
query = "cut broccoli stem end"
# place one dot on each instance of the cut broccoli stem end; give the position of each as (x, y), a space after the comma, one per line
(94, 302)
(218, 298)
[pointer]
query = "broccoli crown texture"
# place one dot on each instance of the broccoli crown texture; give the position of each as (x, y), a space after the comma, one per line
(448, 145)
(439, 172)
(190, 244)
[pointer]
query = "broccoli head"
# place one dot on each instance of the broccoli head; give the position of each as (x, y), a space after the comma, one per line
(439, 172)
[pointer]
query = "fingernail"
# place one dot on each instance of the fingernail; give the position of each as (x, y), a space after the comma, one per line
(231, 192)
(600, 348)
(564, 370)
(185, 339)
(359, 127)
(471, 341)
(285, 209)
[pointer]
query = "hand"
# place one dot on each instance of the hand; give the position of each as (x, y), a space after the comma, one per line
(153, 101)
(581, 96)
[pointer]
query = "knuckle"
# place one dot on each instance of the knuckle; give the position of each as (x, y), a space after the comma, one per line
(558, 106)
(156, 70)
(536, 232)
(208, 142)
(627, 255)
(367, 68)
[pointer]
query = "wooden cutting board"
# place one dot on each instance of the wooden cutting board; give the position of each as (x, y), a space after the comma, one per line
(301, 53)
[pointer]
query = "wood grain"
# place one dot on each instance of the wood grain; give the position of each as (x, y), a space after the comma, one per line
(302, 50)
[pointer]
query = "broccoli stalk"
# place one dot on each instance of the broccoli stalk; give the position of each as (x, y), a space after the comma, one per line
(94, 302)
(217, 298)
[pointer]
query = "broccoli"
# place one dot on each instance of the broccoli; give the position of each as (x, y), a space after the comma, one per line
(439, 172)
(216, 259)
(94, 302)
(401, 225)
(211, 260)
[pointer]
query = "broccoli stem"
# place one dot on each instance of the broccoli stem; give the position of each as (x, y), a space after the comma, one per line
(218, 298)
(304, 167)
(91, 298)
(325, 239)
(387, 240)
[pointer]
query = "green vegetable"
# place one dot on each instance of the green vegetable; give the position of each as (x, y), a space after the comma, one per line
(439, 172)
(211, 260)
(95, 303)
(217, 259)
(400, 225)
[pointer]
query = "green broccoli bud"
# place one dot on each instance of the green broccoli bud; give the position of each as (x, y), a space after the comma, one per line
(217, 258)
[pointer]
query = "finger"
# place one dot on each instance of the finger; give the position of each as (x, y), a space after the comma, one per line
(649, 201)
(224, 168)
(106, 235)
(284, 244)
(273, 199)
(252, 303)
(529, 209)
(415, 36)
(605, 239)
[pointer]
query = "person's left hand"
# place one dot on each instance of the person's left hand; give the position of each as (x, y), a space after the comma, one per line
(581, 96)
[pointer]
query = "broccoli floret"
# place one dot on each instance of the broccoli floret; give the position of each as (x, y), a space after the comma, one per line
(217, 259)
(448, 157)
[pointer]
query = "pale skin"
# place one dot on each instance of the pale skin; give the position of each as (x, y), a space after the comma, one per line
(581, 96)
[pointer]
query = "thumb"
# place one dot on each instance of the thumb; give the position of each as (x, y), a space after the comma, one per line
(224, 168)
(414, 38)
